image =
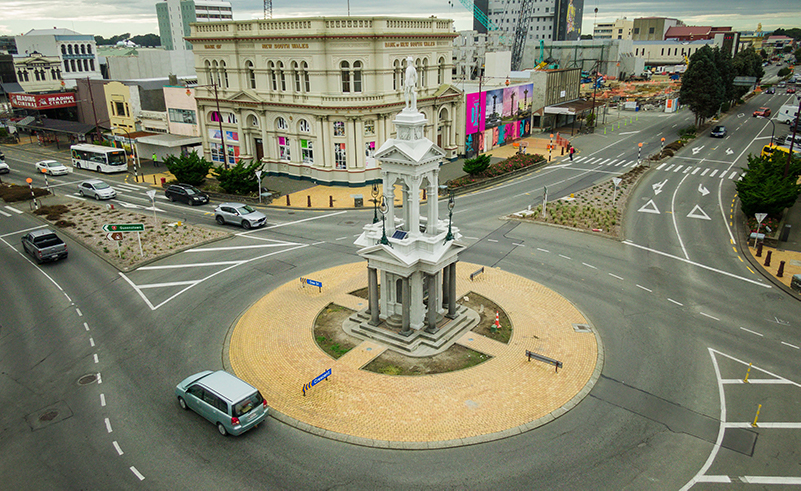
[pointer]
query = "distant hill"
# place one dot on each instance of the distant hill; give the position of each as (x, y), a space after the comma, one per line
(143, 40)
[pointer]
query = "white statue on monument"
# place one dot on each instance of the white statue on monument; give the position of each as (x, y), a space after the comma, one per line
(409, 85)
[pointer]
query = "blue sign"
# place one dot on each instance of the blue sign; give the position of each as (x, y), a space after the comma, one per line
(318, 284)
(321, 377)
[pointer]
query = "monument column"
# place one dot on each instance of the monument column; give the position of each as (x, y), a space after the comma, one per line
(406, 299)
(431, 321)
(372, 295)
(452, 291)
(446, 288)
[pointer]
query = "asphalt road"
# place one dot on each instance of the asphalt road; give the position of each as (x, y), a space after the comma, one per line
(676, 309)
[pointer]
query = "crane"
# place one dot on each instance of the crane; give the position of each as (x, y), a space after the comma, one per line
(521, 32)
(478, 14)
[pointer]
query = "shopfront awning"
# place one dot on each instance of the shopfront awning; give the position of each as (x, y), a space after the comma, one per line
(571, 108)
(169, 141)
(55, 126)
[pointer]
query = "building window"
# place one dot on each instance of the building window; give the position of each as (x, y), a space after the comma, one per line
(86, 65)
(63, 50)
(208, 72)
(357, 76)
(369, 127)
(307, 85)
(424, 73)
(636, 30)
(251, 74)
(253, 120)
(66, 66)
(280, 123)
(345, 69)
(441, 71)
(119, 108)
(296, 76)
(307, 151)
(92, 64)
(283, 148)
(282, 75)
(88, 49)
(304, 126)
(273, 80)
(340, 158)
(182, 116)
(339, 128)
(214, 116)
(83, 49)
(69, 49)
(224, 74)
(231, 118)
(396, 85)
(650, 30)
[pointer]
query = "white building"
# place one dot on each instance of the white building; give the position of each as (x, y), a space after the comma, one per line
(77, 52)
(136, 63)
(619, 29)
(174, 17)
(313, 98)
(470, 49)
(548, 20)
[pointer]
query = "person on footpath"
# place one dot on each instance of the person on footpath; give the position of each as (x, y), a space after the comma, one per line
(155, 160)
(571, 151)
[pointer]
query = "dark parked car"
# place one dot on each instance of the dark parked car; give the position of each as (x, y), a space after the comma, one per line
(186, 193)
(718, 131)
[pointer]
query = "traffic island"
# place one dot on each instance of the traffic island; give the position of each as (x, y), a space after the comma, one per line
(273, 346)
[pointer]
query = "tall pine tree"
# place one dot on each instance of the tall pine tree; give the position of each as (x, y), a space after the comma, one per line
(701, 86)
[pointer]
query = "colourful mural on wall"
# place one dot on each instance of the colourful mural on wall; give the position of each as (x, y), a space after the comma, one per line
(497, 117)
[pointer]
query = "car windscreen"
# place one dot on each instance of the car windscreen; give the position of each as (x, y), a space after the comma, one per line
(248, 404)
(100, 185)
(191, 191)
(244, 210)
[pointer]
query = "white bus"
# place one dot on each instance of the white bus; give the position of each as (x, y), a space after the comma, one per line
(99, 158)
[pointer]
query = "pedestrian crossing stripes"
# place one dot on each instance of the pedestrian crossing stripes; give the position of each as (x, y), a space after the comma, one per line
(127, 187)
(665, 167)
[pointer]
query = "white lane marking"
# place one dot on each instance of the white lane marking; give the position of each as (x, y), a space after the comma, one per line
(313, 243)
(80, 314)
(734, 173)
(491, 240)
(137, 474)
(633, 162)
(108, 425)
(669, 167)
(96, 359)
(22, 231)
(696, 170)
(646, 289)
(341, 238)
(677, 168)
(661, 165)
(103, 400)
(716, 479)
(303, 220)
(543, 250)
(770, 479)
(589, 265)
(465, 237)
(677, 303)
(517, 244)
(235, 248)
(171, 283)
(767, 381)
(18, 212)
(687, 169)
(649, 207)
(91, 342)
(707, 315)
(780, 426)
(673, 217)
(705, 171)
(192, 265)
(117, 447)
(713, 173)
(616, 276)
(562, 255)
(790, 345)
(137, 290)
(5, 214)
(75, 197)
(99, 378)
(693, 263)
(86, 326)
(752, 332)
(697, 212)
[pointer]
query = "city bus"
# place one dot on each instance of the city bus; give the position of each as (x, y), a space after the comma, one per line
(99, 158)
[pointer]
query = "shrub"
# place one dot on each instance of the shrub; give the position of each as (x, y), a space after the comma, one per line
(687, 133)
(11, 192)
(190, 169)
(240, 178)
(476, 165)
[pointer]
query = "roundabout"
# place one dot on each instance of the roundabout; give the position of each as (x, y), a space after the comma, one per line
(272, 346)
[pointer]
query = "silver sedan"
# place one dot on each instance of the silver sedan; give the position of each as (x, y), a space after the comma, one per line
(96, 189)
(240, 214)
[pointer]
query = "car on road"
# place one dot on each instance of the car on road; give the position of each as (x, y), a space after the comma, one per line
(44, 245)
(186, 193)
(4, 168)
(781, 85)
(97, 189)
(231, 404)
(770, 90)
(718, 131)
(240, 214)
(763, 112)
(52, 167)
(790, 90)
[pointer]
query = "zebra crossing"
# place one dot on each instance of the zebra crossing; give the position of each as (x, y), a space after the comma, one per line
(691, 169)
(4, 211)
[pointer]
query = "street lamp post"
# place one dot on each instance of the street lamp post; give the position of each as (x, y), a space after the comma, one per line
(374, 194)
(772, 130)
(451, 204)
(133, 152)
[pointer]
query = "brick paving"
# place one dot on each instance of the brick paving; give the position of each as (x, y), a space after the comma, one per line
(273, 347)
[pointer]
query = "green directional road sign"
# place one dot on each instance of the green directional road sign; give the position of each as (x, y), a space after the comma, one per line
(124, 227)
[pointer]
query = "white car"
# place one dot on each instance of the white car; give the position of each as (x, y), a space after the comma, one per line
(96, 189)
(4, 169)
(52, 167)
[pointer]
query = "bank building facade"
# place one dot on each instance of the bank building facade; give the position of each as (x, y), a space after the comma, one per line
(313, 98)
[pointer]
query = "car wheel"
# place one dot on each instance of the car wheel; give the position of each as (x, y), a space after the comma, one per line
(246, 224)
(220, 220)
(98, 168)
(80, 192)
(172, 198)
(182, 403)
(222, 429)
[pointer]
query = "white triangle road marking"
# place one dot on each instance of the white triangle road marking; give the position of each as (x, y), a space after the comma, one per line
(697, 212)
(649, 207)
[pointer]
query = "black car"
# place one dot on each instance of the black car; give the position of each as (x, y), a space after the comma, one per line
(187, 193)
(718, 131)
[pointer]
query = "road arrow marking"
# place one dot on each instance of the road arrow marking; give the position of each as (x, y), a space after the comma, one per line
(128, 205)
(649, 207)
(658, 186)
(701, 189)
(697, 149)
(697, 212)
(629, 133)
(729, 151)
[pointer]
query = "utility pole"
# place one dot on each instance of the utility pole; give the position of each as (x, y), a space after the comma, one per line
(795, 131)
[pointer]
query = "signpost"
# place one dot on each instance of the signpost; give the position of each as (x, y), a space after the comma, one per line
(616, 182)
(258, 176)
(759, 217)
(125, 227)
(307, 281)
(317, 380)
(152, 194)
(116, 237)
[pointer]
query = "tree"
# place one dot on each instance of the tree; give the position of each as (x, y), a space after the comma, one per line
(476, 165)
(191, 169)
(147, 40)
(723, 63)
(701, 86)
(764, 189)
(240, 178)
(746, 63)
(797, 55)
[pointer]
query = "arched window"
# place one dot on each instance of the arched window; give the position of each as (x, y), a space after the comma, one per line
(224, 74)
(282, 75)
(63, 50)
(441, 71)
(424, 73)
(88, 49)
(215, 117)
(280, 123)
(69, 49)
(251, 74)
(36, 74)
(215, 72)
(253, 120)
(304, 126)
(306, 84)
(273, 80)
(345, 69)
(209, 78)
(396, 75)
(231, 118)
(357, 76)
(53, 73)
(86, 65)
(92, 64)
(83, 49)
(66, 66)
(72, 65)
(296, 75)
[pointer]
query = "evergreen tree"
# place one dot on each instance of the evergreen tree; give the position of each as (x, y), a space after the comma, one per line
(723, 62)
(190, 169)
(701, 86)
(240, 178)
(764, 189)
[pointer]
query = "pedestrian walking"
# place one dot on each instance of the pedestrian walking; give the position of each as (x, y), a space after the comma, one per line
(571, 151)
(155, 160)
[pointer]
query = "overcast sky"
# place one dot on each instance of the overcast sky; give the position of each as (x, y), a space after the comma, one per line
(112, 17)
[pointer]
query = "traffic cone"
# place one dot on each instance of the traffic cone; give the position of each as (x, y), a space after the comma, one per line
(497, 325)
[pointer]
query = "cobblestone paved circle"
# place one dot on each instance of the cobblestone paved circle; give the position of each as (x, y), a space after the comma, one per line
(272, 346)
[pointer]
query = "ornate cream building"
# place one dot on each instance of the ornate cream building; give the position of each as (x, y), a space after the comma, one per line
(313, 98)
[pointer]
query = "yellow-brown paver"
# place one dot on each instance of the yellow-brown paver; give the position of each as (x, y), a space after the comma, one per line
(272, 347)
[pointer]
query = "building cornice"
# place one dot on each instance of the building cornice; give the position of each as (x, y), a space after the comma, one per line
(329, 109)
(322, 37)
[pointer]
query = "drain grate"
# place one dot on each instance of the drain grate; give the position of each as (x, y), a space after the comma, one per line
(88, 379)
(48, 416)
(582, 328)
